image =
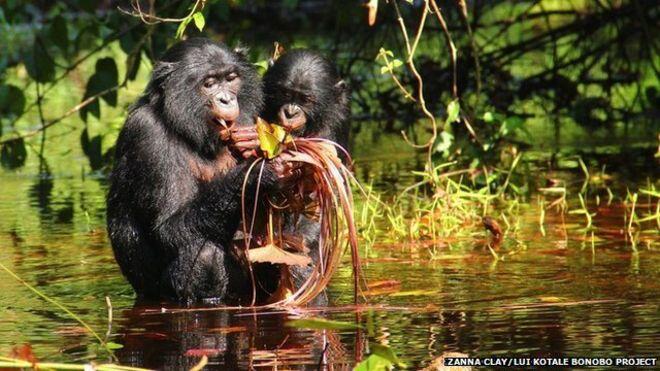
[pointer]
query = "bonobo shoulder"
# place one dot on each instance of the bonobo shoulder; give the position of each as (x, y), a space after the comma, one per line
(142, 133)
(142, 123)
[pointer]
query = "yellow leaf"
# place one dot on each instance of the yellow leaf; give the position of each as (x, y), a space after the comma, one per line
(268, 142)
(278, 132)
(551, 299)
(271, 138)
(273, 254)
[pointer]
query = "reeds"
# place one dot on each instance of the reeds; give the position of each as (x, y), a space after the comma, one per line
(322, 195)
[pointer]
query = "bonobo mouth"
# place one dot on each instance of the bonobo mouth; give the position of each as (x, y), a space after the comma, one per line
(222, 123)
(223, 118)
(292, 117)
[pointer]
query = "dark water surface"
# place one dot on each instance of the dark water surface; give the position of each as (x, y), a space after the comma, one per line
(559, 294)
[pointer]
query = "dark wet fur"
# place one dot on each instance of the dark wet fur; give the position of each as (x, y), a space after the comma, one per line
(306, 78)
(170, 231)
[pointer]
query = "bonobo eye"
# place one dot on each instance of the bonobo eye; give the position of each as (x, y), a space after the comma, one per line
(307, 99)
(210, 82)
(231, 76)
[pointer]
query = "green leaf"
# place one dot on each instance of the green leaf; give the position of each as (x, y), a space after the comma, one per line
(386, 352)
(415, 292)
(445, 142)
(384, 70)
(381, 357)
(322, 324)
(112, 345)
(489, 117)
(92, 149)
(199, 21)
(105, 77)
(262, 65)
(289, 4)
(453, 110)
(133, 64)
(13, 154)
(182, 28)
(59, 33)
(396, 63)
(373, 363)
(128, 41)
(383, 51)
(271, 138)
(108, 77)
(39, 64)
(12, 101)
(511, 125)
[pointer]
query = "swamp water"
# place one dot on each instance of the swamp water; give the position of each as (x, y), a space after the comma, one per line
(566, 293)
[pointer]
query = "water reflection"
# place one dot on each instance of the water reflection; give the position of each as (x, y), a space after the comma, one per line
(554, 295)
(233, 340)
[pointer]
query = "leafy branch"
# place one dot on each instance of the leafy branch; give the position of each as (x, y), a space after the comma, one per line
(195, 15)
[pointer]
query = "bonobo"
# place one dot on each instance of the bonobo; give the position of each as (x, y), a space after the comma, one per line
(305, 95)
(175, 190)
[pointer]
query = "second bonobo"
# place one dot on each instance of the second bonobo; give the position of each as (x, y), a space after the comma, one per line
(304, 93)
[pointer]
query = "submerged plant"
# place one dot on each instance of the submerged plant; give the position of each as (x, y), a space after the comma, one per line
(323, 195)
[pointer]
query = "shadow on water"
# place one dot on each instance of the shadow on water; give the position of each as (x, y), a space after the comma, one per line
(564, 292)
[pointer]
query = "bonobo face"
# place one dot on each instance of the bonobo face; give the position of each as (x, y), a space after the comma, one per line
(221, 89)
(299, 88)
(201, 87)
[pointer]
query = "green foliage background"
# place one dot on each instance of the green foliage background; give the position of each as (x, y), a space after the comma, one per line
(557, 77)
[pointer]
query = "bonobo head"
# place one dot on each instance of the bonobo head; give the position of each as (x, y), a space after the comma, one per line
(201, 86)
(305, 94)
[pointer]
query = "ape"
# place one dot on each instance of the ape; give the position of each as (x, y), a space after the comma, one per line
(304, 93)
(175, 191)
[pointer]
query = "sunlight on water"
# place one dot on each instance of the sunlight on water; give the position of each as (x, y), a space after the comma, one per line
(555, 295)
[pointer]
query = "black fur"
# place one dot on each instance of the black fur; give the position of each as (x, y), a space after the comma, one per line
(170, 228)
(309, 80)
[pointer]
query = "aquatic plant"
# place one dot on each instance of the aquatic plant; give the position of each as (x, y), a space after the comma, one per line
(323, 195)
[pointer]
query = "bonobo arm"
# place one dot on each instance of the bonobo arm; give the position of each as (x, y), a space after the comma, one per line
(215, 211)
(189, 223)
(175, 205)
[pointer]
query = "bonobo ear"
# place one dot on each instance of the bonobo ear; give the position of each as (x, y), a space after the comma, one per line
(341, 89)
(341, 86)
(242, 51)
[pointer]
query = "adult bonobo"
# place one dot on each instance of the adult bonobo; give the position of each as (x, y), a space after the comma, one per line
(305, 94)
(175, 194)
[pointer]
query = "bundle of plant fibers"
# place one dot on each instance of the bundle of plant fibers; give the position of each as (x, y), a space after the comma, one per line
(322, 195)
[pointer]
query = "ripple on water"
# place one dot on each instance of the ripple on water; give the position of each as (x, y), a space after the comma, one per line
(556, 296)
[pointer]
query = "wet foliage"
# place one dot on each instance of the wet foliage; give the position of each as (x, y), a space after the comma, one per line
(566, 71)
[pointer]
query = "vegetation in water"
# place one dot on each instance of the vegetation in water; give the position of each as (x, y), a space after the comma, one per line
(322, 195)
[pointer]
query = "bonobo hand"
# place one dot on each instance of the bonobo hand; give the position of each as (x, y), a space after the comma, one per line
(289, 172)
(242, 140)
(286, 173)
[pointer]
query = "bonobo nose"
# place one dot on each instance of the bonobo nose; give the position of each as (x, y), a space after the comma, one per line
(291, 110)
(225, 98)
(292, 117)
(225, 106)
